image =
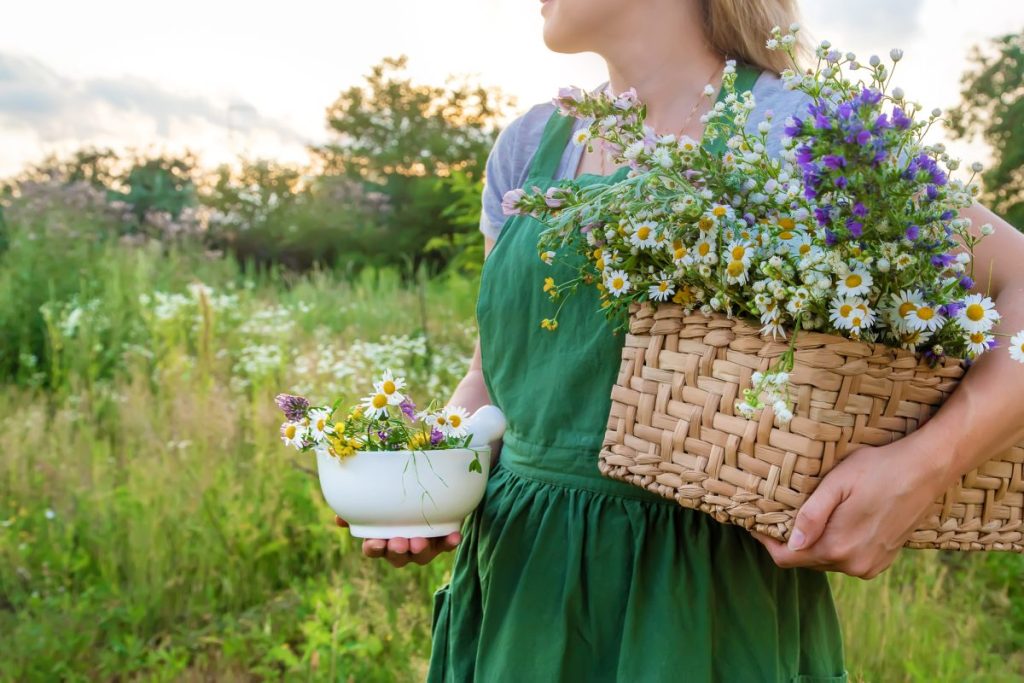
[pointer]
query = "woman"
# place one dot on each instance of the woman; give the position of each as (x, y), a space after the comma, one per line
(567, 575)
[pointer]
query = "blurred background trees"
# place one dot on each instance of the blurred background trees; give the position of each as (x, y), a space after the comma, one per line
(993, 107)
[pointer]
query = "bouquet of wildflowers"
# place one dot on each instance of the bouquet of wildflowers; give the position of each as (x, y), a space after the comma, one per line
(853, 230)
(385, 420)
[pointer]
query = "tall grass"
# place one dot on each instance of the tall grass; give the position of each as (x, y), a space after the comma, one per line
(152, 525)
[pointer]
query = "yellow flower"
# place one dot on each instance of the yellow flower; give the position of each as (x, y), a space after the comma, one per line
(550, 287)
(549, 324)
(357, 413)
(418, 440)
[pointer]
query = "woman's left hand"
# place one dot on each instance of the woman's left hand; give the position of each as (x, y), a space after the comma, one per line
(863, 510)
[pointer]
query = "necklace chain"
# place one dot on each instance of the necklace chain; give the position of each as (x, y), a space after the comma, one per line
(686, 122)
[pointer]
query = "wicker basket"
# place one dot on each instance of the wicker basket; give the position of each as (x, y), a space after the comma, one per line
(673, 429)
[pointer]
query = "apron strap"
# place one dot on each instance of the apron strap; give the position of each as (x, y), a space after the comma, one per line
(558, 130)
(746, 76)
(549, 152)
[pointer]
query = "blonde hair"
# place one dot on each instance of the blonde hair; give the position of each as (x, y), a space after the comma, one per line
(740, 28)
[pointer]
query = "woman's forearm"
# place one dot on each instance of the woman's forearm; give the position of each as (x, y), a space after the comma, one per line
(985, 414)
(471, 393)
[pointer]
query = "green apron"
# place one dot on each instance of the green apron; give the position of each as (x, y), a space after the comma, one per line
(564, 574)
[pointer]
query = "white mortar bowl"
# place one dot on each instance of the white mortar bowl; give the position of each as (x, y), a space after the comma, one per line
(384, 494)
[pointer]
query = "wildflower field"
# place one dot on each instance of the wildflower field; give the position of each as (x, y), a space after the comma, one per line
(154, 527)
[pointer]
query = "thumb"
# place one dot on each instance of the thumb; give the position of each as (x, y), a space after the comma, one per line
(814, 513)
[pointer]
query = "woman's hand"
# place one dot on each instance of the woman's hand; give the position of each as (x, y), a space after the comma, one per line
(401, 551)
(863, 511)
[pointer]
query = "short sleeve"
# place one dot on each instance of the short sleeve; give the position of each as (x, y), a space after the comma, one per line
(499, 177)
(771, 95)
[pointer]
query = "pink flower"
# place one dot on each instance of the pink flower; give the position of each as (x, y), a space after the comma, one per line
(510, 201)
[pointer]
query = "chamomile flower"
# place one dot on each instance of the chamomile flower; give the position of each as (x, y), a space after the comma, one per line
(644, 236)
(319, 424)
(925, 317)
(389, 386)
(978, 342)
(739, 251)
(455, 421)
(978, 313)
(547, 256)
(293, 434)
(682, 255)
(850, 313)
(773, 326)
(1017, 347)
(903, 261)
(687, 145)
(903, 304)
(617, 282)
(581, 137)
(855, 283)
(736, 272)
(661, 290)
(705, 250)
(376, 404)
(914, 338)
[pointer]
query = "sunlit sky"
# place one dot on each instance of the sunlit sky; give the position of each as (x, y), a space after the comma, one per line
(227, 78)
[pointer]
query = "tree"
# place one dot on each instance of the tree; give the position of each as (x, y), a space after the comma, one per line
(398, 138)
(993, 106)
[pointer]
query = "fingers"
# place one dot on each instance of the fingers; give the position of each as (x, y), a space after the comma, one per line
(813, 515)
(400, 551)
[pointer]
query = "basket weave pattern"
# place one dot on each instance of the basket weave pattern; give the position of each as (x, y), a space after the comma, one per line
(673, 429)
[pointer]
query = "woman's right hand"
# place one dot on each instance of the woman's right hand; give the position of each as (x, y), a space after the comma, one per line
(401, 551)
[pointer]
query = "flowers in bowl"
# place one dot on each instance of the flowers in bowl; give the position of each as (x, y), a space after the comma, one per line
(852, 229)
(385, 420)
(364, 455)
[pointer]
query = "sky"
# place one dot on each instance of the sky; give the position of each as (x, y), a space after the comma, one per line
(228, 78)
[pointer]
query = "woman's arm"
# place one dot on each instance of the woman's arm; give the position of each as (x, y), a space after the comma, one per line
(860, 515)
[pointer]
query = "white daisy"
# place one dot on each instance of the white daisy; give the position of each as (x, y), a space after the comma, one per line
(389, 386)
(319, 424)
(903, 304)
(662, 290)
(925, 317)
(617, 282)
(978, 314)
(644, 236)
(854, 283)
(376, 404)
(293, 434)
(914, 338)
(455, 418)
(977, 342)
(687, 145)
(773, 326)
(705, 250)
(682, 255)
(739, 251)
(849, 313)
(736, 272)
(903, 261)
(581, 137)
(1017, 347)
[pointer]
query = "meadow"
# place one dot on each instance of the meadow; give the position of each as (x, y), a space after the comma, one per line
(153, 526)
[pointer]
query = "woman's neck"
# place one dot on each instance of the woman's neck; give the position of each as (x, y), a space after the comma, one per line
(668, 67)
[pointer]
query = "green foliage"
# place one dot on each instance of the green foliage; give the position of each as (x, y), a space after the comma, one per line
(463, 250)
(394, 127)
(992, 106)
(398, 137)
(158, 184)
